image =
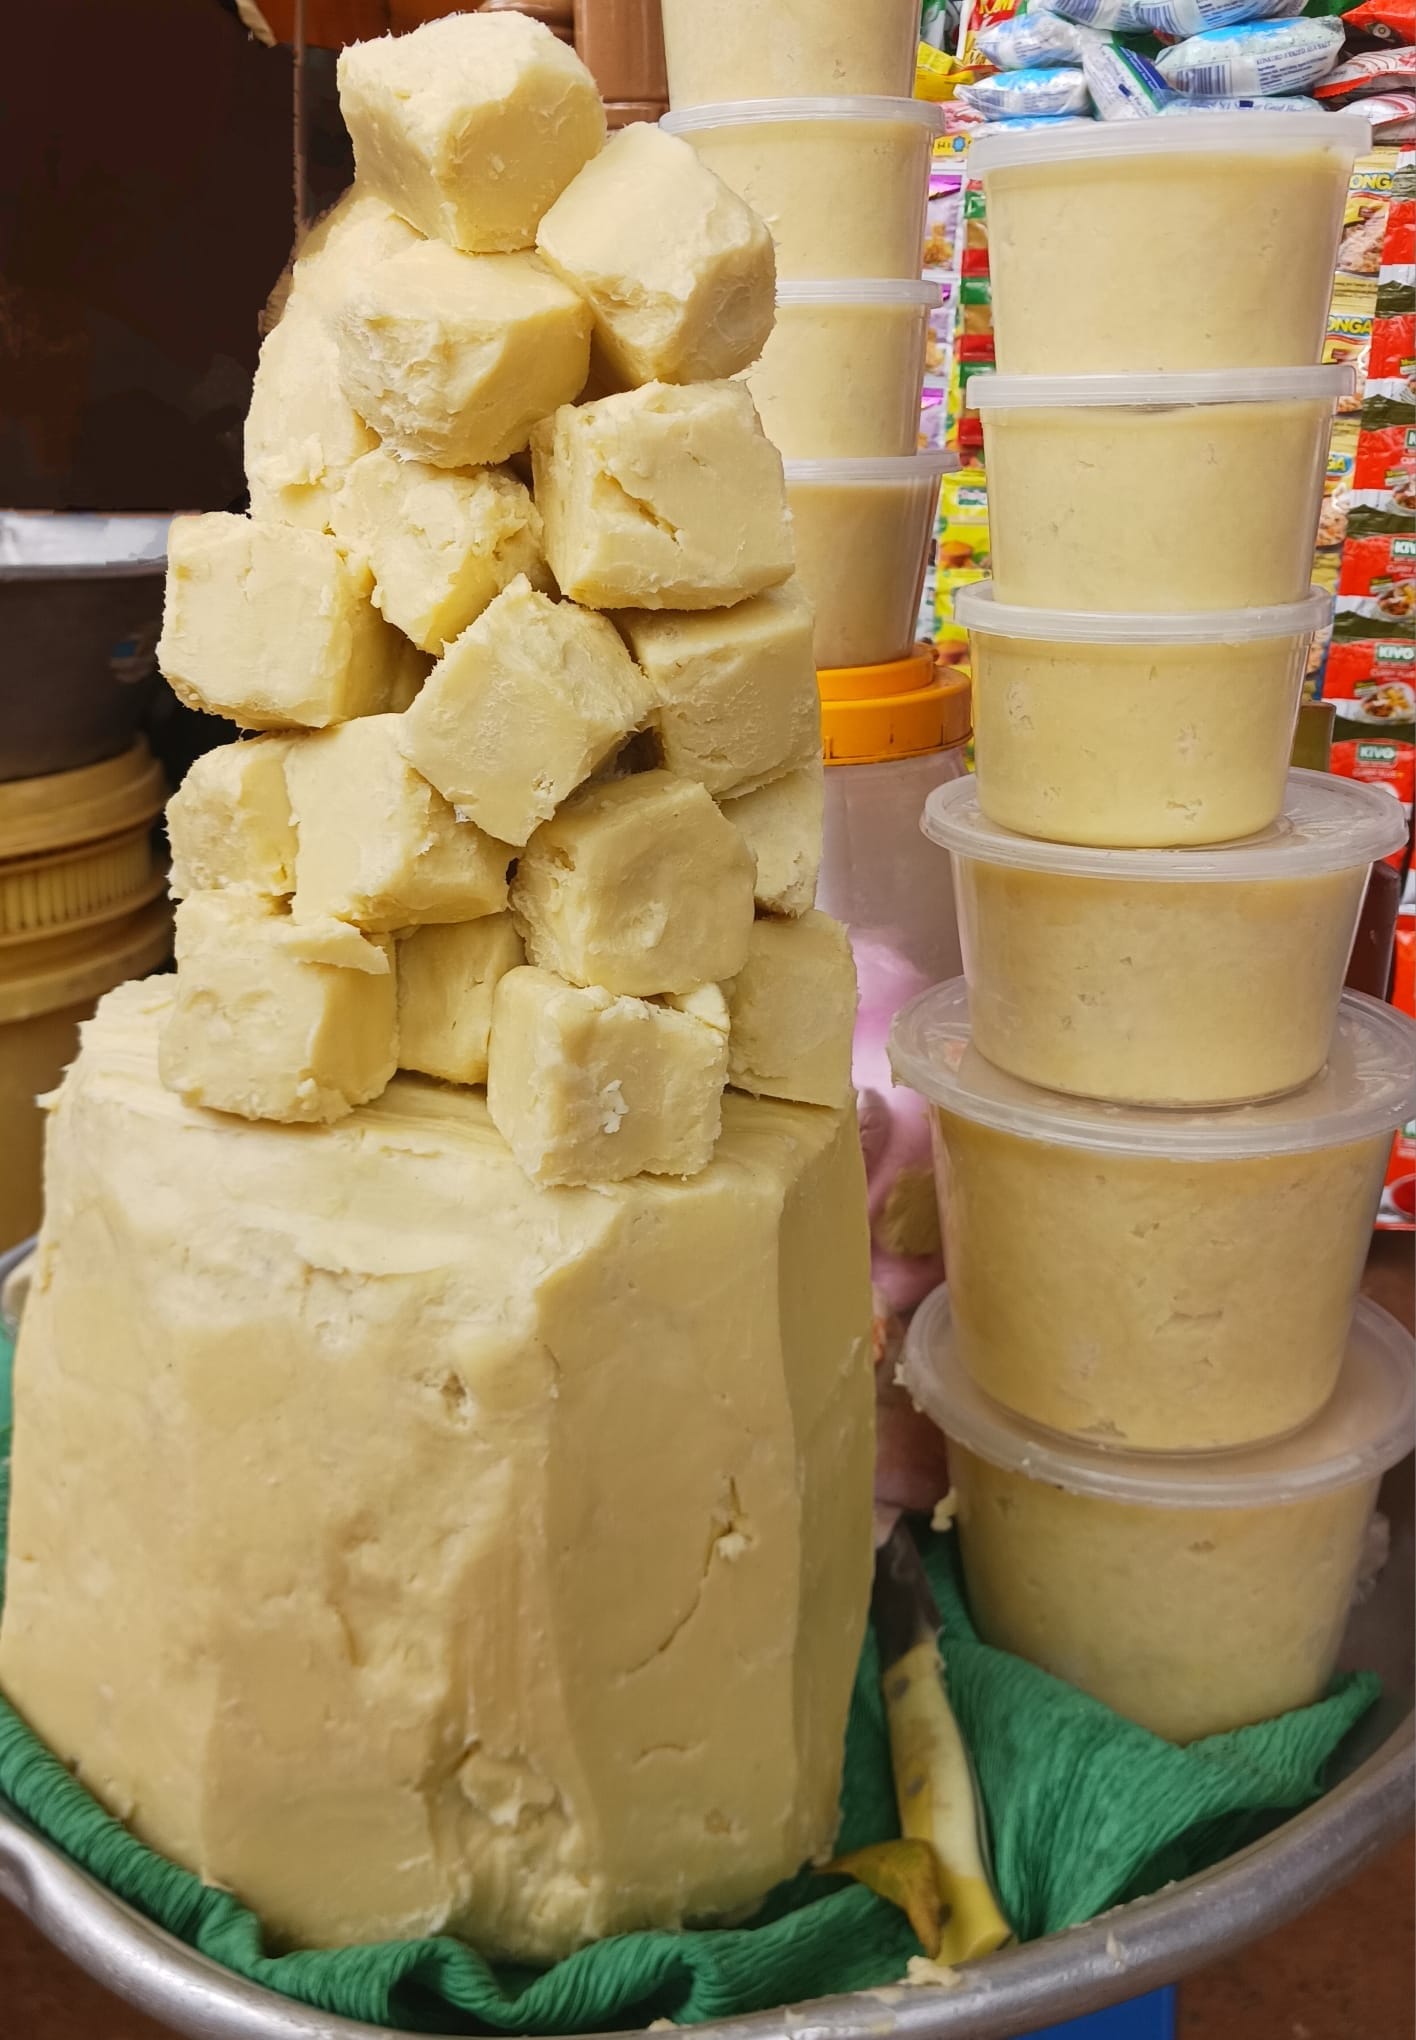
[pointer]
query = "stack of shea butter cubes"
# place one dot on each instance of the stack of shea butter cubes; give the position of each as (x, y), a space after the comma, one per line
(1161, 1124)
(493, 1466)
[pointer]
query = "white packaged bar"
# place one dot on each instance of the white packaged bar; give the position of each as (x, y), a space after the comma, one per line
(1253, 57)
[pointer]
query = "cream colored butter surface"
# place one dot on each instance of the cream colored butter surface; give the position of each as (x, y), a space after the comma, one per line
(677, 270)
(442, 1676)
(273, 1019)
(379, 846)
(585, 1087)
(272, 626)
(840, 377)
(781, 825)
(734, 689)
(522, 707)
(861, 552)
(662, 498)
(357, 233)
(442, 544)
(792, 1011)
(302, 433)
(638, 885)
(452, 358)
(446, 978)
(229, 821)
(470, 126)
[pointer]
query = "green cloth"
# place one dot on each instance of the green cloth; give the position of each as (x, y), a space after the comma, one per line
(1086, 1811)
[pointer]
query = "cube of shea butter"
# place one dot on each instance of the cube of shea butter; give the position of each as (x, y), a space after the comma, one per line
(679, 273)
(470, 126)
(735, 698)
(275, 1019)
(357, 231)
(585, 1087)
(441, 543)
(302, 433)
(638, 885)
(792, 1009)
(446, 979)
(662, 498)
(453, 358)
(272, 625)
(379, 846)
(781, 824)
(229, 822)
(521, 708)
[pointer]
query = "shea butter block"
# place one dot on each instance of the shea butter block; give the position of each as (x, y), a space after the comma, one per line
(781, 824)
(358, 232)
(585, 1087)
(272, 626)
(521, 708)
(679, 273)
(662, 498)
(229, 822)
(735, 697)
(470, 126)
(273, 1019)
(453, 358)
(639, 885)
(441, 543)
(446, 979)
(378, 845)
(792, 1009)
(302, 433)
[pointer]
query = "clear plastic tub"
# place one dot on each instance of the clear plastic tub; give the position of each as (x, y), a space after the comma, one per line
(862, 530)
(841, 183)
(716, 48)
(1151, 1281)
(1133, 731)
(1156, 492)
(1207, 243)
(840, 375)
(1194, 1596)
(1176, 978)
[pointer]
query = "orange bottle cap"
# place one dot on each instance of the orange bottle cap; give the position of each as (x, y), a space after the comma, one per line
(903, 709)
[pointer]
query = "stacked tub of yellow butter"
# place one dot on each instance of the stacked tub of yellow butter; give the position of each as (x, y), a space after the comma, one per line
(1161, 1125)
(475, 1462)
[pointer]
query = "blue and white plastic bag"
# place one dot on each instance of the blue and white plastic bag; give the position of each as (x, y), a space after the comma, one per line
(1010, 93)
(1123, 84)
(1025, 41)
(1181, 18)
(1255, 58)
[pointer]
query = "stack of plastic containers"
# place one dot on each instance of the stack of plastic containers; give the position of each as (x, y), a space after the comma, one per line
(1160, 1125)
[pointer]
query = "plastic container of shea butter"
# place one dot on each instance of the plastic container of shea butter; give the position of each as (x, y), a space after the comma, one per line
(1189, 1277)
(1132, 731)
(1164, 977)
(1156, 492)
(841, 372)
(1193, 1595)
(862, 530)
(717, 47)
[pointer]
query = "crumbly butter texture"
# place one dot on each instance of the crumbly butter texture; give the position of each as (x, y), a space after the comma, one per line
(356, 234)
(272, 626)
(446, 978)
(302, 433)
(441, 543)
(792, 1008)
(378, 845)
(273, 1019)
(546, 1624)
(679, 273)
(526, 704)
(781, 825)
(585, 1087)
(470, 126)
(735, 697)
(662, 498)
(229, 822)
(638, 885)
(453, 358)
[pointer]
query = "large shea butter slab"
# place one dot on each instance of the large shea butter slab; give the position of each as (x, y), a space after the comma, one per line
(228, 824)
(505, 1551)
(781, 825)
(447, 976)
(470, 126)
(679, 273)
(441, 543)
(638, 885)
(662, 498)
(275, 1019)
(527, 703)
(271, 625)
(453, 358)
(792, 1008)
(302, 433)
(379, 846)
(585, 1087)
(735, 697)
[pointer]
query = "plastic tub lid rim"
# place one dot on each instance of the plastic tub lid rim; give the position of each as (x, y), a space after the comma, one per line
(873, 468)
(1197, 134)
(976, 609)
(1161, 389)
(730, 113)
(864, 290)
(1344, 1447)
